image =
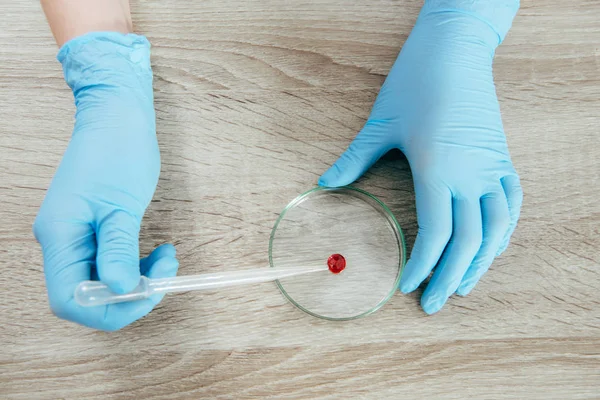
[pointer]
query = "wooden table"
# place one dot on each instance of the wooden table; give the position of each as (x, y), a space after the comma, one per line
(254, 100)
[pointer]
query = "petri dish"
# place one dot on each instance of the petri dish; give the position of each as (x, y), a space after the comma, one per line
(324, 225)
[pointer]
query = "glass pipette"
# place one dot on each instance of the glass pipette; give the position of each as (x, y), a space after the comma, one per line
(96, 293)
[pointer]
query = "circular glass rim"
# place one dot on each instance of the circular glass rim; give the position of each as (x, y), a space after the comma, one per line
(393, 222)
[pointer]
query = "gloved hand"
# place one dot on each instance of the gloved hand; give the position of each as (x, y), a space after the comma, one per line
(438, 106)
(89, 222)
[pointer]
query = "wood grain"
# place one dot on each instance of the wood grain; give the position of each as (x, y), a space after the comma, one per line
(254, 101)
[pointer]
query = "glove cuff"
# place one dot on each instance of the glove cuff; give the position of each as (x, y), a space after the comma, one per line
(498, 14)
(110, 59)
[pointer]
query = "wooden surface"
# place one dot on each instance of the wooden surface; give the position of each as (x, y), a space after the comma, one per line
(255, 99)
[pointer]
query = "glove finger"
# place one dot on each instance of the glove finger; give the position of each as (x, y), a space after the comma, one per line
(434, 214)
(111, 317)
(164, 250)
(514, 195)
(120, 315)
(69, 253)
(164, 267)
(496, 220)
(107, 318)
(118, 261)
(460, 252)
(69, 250)
(364, 151)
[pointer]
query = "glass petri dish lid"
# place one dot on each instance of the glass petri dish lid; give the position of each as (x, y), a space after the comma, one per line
(343, 228)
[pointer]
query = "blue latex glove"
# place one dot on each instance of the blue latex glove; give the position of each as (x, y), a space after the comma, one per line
(439, 107)
(89, 222)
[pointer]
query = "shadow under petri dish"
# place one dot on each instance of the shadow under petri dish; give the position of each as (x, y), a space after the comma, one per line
(347, 222)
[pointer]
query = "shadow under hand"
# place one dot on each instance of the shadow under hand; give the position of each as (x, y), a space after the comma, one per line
(390, 179)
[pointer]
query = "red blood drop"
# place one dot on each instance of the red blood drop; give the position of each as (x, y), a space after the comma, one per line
(336, 263)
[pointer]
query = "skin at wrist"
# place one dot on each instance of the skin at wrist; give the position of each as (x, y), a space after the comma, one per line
(69, 19)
